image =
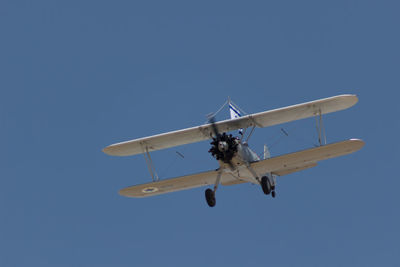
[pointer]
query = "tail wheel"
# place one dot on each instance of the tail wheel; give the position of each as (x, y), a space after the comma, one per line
(266, 185)
(210, 197)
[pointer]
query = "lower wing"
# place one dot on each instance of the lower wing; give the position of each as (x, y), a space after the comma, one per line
(280, 165)
(174, 184)
(305, 159)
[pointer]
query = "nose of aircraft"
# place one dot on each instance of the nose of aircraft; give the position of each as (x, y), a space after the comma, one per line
(223, 146)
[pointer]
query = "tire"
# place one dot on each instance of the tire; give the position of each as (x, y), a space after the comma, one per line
(266, 185)
(210, 197)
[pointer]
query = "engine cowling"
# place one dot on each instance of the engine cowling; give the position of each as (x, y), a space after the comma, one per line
(223, 147)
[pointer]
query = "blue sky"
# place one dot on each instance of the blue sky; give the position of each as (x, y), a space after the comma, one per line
(76, 76)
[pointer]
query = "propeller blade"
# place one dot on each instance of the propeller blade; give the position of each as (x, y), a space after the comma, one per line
(211, 120)
(218, 137)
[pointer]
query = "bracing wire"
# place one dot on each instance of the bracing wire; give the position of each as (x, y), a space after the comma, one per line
(219, 110)
(180, 155)
(241, 110)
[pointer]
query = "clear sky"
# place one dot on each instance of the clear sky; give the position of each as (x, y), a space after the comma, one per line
(76, 76)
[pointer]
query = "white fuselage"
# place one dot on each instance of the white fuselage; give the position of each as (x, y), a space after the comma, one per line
(240, 167)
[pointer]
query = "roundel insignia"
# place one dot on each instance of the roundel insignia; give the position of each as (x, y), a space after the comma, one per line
(150, 189)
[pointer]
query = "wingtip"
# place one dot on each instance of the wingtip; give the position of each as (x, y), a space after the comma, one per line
(352, 99)
(104, 150)
(108, 150)
(355, 98)
(357, 143)
(121, 192)
(127, 192)
(357, 140)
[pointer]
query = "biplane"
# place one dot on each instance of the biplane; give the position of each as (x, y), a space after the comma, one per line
(237, 162)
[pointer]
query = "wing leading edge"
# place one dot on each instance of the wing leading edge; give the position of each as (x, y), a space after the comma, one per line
(204, 132)
(280, 165)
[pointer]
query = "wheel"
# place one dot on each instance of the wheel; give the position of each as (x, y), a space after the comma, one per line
(210, 197)
(273, 194)
(266, 185)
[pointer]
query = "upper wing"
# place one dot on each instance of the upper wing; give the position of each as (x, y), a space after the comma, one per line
(174, 184)
(203, 132)
(301, 160)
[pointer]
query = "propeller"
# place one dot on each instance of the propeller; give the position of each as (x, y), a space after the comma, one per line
(223, 146)
(211, 120)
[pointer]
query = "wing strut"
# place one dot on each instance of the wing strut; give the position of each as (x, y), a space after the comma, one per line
(320, 128)
(150, 166)
(252, 130)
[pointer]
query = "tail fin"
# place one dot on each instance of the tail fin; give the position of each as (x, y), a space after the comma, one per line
(267, 155)
(271, 177)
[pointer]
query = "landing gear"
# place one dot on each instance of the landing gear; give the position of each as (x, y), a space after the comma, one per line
(210, 197)
(210, 194)
(267, 187)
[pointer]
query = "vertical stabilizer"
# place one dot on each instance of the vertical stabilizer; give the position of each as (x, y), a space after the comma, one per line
(267, 155)
(271, 177)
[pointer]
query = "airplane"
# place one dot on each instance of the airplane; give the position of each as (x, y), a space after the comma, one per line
(237, 162)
